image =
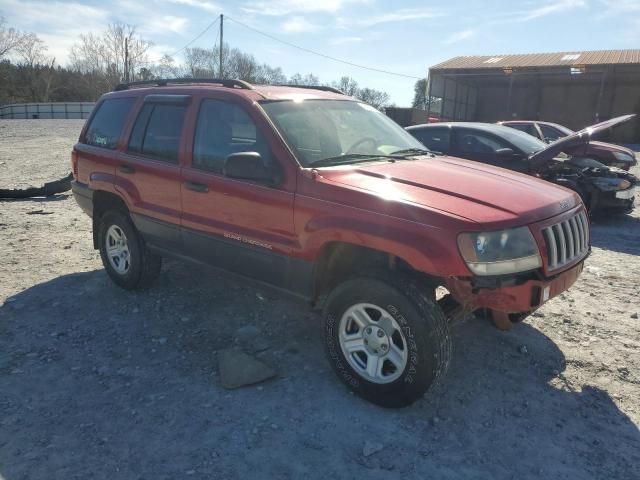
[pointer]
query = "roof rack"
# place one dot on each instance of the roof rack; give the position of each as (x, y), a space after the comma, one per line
(324, 88)
(225, 82)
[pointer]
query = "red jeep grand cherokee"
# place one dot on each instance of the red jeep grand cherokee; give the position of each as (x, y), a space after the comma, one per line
(322, 196)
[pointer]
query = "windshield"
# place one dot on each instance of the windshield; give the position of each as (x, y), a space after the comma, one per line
(525, 142)
(318, 130)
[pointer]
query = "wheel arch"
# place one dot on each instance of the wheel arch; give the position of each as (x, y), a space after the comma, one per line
(104, 201)
(338, 261)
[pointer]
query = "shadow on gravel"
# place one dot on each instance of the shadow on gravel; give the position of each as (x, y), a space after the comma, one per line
(620, 233)
(96, 382)
(51, 198)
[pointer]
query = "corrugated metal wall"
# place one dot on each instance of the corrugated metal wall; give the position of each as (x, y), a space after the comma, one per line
(71, 110)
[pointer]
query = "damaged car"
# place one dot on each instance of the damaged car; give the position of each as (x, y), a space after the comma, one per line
(608, 153)
(565, 162)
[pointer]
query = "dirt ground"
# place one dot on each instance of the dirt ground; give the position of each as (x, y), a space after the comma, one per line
(96, 382)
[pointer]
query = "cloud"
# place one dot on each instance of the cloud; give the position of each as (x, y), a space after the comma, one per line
(297, 25)
(402, 15)
(345, 40)
(551, 8)
(166, 23)
(58, 23)
(459, 37)
(201, 4)
(287, 7)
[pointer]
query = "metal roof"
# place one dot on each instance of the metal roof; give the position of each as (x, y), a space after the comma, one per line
(602, 57)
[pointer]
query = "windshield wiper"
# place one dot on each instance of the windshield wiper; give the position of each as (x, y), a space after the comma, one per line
(350, 158)
(414, 151)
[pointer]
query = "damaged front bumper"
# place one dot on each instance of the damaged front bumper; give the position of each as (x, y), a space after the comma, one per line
(511, 295)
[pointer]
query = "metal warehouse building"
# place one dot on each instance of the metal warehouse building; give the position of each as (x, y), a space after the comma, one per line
(575, 89)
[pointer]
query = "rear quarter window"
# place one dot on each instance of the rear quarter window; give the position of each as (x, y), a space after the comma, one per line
(108, 122)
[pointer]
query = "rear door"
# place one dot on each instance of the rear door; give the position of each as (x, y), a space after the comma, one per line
(148, 171)
(242, 226)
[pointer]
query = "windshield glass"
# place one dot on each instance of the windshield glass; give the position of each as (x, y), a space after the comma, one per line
(324, 129)
(521, 140)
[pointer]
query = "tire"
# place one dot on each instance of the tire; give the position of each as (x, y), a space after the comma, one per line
(398, 304)
(138, 267)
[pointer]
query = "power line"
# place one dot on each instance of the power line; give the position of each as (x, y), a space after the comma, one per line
(322, 54)
(196, 38)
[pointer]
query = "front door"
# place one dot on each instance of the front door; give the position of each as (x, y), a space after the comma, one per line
(242, 226)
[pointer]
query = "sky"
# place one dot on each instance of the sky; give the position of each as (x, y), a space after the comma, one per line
(405, 37)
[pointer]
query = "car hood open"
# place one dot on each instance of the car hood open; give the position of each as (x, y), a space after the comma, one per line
(475, 191)
(572, 143)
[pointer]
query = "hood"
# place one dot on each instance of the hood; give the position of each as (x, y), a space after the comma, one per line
(470, 190)
(572, 143)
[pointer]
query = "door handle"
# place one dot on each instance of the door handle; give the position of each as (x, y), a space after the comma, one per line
(196, 187)
(126, 169)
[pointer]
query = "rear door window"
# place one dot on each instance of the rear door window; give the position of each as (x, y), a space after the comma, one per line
(108, 122)
(157, 131)
(436, 139)
(529, 128)
(551, 134)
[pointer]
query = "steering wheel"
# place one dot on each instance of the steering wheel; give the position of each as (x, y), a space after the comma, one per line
(371, 140)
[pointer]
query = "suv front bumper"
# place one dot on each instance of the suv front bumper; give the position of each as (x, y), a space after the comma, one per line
(518, 298)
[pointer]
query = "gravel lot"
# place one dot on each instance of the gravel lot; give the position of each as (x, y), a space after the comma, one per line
(96, 382)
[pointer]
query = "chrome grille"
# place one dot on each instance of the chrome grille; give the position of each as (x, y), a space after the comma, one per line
(566, 241)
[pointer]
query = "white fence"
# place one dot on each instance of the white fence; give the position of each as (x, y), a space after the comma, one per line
(78, 110)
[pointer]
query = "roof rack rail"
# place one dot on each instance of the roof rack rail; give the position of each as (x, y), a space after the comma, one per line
(324, 88)
(163, 82)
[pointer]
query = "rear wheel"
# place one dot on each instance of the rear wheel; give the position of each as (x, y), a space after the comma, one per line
(386, 340)
(124, 255)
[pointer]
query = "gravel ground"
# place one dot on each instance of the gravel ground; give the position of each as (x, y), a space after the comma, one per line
(96, 382)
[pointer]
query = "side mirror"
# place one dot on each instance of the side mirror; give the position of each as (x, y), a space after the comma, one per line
(505, 154)
(247, 166)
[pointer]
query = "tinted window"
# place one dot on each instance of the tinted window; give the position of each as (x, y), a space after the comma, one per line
(436, 139)
(525, 127)
(520, 140)
(477, 142)
(224, 128)
(156, 132)
(107, 123)
(551, 134)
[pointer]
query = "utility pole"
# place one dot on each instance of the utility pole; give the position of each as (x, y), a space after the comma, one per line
(126, 60)
(221, 44)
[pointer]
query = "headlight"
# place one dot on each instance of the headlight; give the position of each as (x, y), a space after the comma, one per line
(499, 253)
(624, 157)
(608, 184)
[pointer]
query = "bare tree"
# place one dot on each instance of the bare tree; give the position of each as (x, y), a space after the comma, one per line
(10, 38)
(199, 62)
(167, 68)
(373, 97)
(32, 50)
(347, 85)
(309, 79)
(115, 55)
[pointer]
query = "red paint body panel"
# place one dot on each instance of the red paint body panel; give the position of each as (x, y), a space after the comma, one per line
(413, 209)
(513, 299)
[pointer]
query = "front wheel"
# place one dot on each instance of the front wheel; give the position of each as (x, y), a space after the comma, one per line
(386, 340)
(124, 255)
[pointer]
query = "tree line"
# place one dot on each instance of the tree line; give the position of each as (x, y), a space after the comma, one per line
(100, 61)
